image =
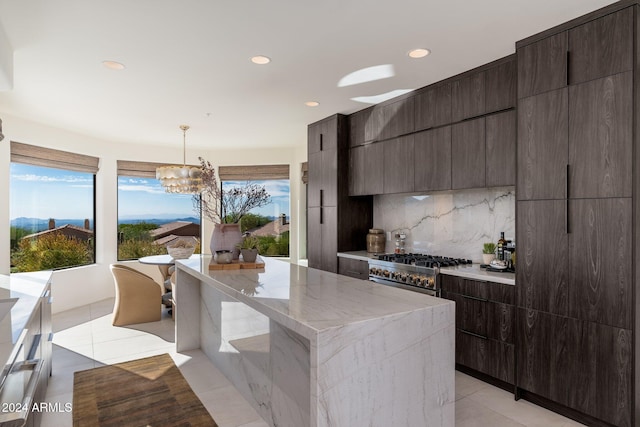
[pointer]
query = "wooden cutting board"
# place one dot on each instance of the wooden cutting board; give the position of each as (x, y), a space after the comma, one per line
(236, 265)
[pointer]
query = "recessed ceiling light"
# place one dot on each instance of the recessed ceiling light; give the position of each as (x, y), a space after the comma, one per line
(260, 60)
(113, 65)
(312, 103)
(419, 53)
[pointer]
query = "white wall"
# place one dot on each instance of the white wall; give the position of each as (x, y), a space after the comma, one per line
(79, 286)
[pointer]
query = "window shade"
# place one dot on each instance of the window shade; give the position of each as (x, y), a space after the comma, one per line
(138, 169)
(48, 157)
(254, 173)
(305, 172)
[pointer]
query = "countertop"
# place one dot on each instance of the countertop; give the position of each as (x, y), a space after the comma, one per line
(307, 300)
(26, 289)
(469, 271)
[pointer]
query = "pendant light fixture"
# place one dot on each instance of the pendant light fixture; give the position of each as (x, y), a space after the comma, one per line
(181, 179)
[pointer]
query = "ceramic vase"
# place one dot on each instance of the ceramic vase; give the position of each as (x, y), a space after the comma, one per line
(226, 237)
(487, 258)
(249, 255)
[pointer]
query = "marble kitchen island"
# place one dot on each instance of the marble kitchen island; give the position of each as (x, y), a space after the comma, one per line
(310, 348)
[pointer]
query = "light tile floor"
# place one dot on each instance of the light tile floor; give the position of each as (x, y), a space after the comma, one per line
(84, 338)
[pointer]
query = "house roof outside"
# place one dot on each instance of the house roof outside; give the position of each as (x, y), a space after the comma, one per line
(273, 228)
(67, 229)
(177, 228)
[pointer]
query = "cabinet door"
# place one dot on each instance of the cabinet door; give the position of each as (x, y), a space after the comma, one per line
(329, 238)
(579, 364)
(353, 268)
(601, 137)
(500, 87)
(314, 238)
(329, 190)
(314, 184)
(374, 124)
(357, 123)
(542, 66)
(398, 165)
(467, 97)
(471, 315)
(313, 138)
(432, 159)
(602, 47)
(397, 118)
(366, 169)
(542, 153)
(433, 107)
(542, 266)
(501, 149)
(601, 261)
(468, 154)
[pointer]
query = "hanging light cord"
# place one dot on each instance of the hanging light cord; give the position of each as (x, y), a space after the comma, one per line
(184, 144)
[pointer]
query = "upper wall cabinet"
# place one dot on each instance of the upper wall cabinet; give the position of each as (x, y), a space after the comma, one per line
(602, 47)
(357, 123)
(433, 107)
(599, 48)
(542, 66)
(398, 165)
(397, 118)
(468, 97)
(500, 87)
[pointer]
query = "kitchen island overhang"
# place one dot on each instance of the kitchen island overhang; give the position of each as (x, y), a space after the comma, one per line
(310, 348)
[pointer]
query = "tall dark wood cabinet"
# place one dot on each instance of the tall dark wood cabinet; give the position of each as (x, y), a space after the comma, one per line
(575, 218)
(335, 221)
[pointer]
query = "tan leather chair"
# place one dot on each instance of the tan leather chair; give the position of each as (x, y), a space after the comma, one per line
(138, 297)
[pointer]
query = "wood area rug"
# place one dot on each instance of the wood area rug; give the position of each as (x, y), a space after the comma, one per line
(145, 392)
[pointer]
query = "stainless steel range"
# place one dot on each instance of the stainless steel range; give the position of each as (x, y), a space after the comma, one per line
(415, 272)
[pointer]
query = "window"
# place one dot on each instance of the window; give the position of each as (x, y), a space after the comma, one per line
(149, 219)
(270, 223)
(52, 208)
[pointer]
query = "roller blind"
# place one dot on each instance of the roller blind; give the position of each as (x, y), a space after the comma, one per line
(254, 173)
(138, 169)
(48, 157)
(305, 172)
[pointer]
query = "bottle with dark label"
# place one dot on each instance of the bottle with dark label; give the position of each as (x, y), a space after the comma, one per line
(501, 246)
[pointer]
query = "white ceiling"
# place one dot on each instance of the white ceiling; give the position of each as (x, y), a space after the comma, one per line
(187, 61)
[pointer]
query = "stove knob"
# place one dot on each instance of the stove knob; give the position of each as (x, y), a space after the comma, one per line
(422, 282)
(372, 271)
(403, 277)
(385, 273)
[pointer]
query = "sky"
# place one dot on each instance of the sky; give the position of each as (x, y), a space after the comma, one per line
(39, 192)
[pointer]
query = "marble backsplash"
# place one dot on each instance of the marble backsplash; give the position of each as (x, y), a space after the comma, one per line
(454, 223)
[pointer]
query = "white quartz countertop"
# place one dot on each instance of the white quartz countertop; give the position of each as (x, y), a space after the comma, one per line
(305, 299)
(469, 271)
(23, 290)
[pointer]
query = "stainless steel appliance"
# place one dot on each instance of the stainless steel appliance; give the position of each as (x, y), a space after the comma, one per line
(415, 272)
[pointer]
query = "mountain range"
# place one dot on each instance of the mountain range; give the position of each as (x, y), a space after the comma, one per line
(39, 224)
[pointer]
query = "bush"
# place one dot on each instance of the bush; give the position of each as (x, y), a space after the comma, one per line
(138, 231)
(51, 251)
(134, 249)
(272, 246)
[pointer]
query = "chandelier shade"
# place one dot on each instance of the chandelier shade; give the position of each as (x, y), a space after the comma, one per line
(181, 179)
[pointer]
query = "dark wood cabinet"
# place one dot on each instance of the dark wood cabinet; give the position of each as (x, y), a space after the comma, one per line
(468, 154)
(582, 365)
(542, 66)
(575, 221)
(353, 268)
(397, 118)
(468, 97)
(398, 165)
(500, 86)
(543, 248)
(543, 127)
(600, 261)
(366, 169)
(357, 123)
(485, 322)
(432, 159)
(335, 222)
(433, 106)
(501, 149)
(600, 137)
(374, 123)
(602, 47)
